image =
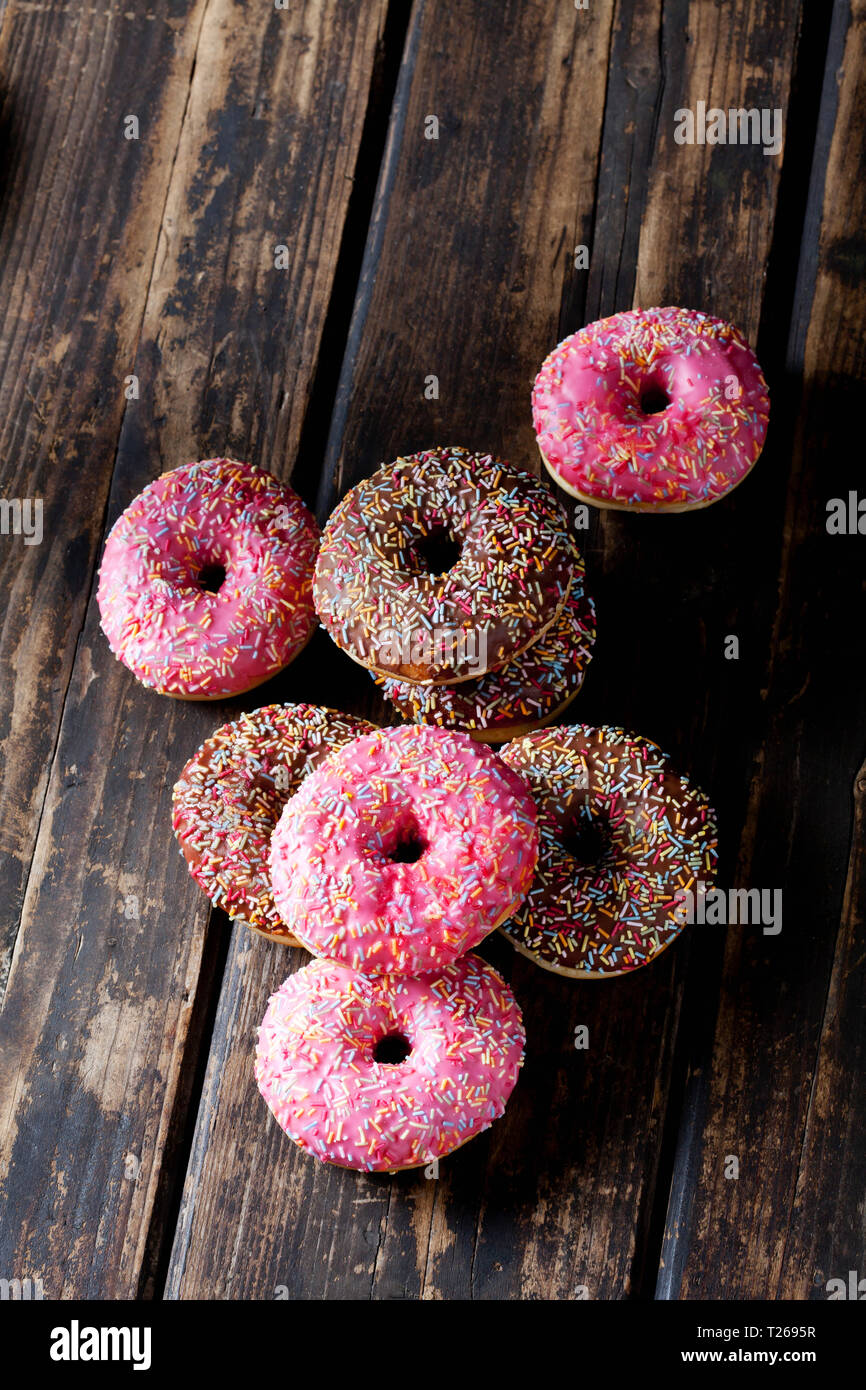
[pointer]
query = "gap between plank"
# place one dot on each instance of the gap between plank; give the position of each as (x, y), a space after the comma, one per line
(346, 285)
(372, 245)
(182, 1124)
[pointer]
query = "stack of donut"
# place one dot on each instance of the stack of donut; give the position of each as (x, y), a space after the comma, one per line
(390, 854)
(452, 577)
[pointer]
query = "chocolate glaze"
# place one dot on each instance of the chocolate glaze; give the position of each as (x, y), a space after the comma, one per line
(378, 600)
(609, 906)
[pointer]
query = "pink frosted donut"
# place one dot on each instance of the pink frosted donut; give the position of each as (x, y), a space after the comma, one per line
(403, 850)
(205, 585)
(651, 410)
(382, 1072)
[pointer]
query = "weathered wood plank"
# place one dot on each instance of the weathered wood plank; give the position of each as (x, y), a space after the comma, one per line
(99, 1008)
(469, 277)
(827, 1230)
(783, 1091)
(80, 210)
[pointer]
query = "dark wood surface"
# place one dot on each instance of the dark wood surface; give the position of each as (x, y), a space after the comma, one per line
(136, 1157)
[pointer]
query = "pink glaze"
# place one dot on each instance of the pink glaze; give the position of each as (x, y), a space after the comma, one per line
(173, 634)
(316, 1065)
(595, 435)
(337, 878)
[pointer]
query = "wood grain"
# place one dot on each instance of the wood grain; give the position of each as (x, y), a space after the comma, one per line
(788, 1040)
(102, 1010)
(80, 214)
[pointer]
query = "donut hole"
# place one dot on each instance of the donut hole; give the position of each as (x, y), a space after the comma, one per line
(391, 1050)
(654, 399)
(586, 839)
(211, 578)
(409, 848)
(437, 552)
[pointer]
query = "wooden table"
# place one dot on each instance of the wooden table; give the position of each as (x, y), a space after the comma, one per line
(137, 1156)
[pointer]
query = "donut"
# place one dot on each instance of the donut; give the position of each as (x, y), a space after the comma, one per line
(403, 850)
(386, 1072)
(231, 793)
(535, 688)
(443, 565)
(205, 584)
(622, 838)
(651, 410)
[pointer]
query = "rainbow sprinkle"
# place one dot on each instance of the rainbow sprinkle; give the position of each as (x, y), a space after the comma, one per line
(594, 433)
(316, 1061)
(173, 634)
(511, 578)
(342, 878)
(654, 835)
(231, 794)
(528, 690)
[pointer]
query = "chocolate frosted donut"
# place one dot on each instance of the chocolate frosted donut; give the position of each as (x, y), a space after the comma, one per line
(622, 839)
(442, 566)
(231, 794)
(525, 694)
